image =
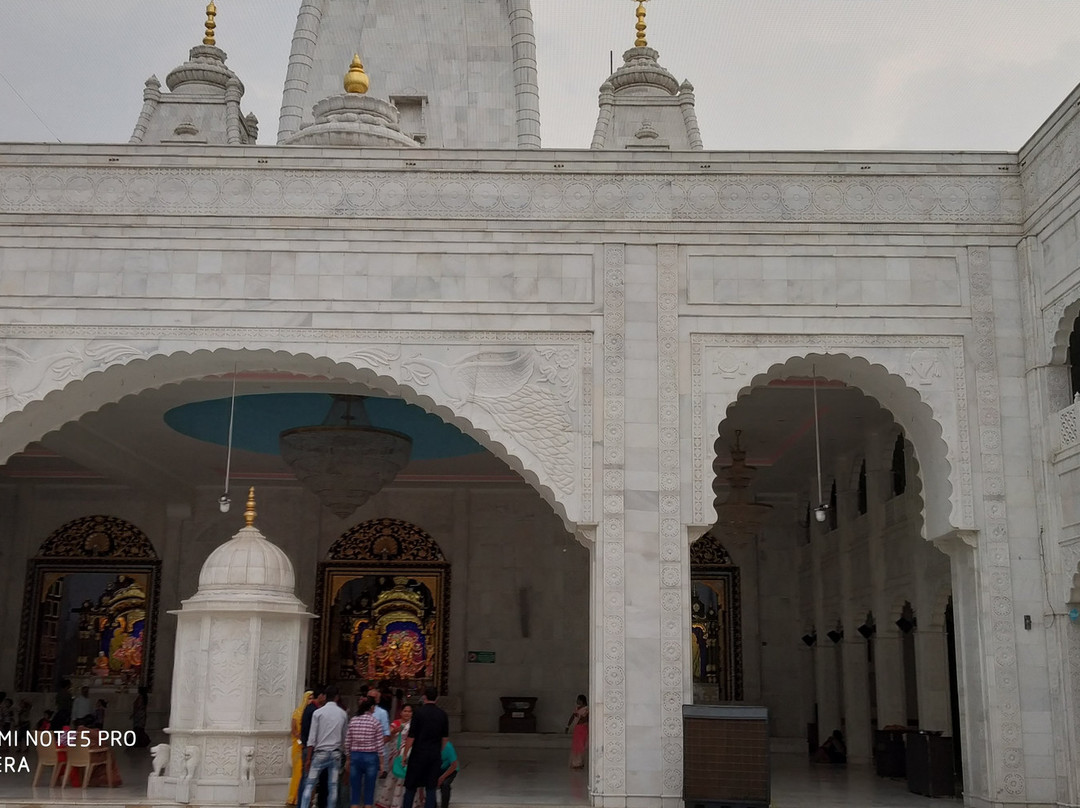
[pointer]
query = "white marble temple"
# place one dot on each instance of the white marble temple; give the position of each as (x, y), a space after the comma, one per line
(632, 298)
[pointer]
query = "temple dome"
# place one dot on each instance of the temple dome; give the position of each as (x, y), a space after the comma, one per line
(248, 562)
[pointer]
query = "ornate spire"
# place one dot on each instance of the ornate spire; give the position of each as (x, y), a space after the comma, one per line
(211, 12)
(641, 42)
(249, 511)
(356, 80)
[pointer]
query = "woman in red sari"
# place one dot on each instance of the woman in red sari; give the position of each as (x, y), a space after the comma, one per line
(579, 722)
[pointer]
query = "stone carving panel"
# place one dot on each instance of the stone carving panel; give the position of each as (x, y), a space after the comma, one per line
(28, 372)
(526, 391)
(901, 372)
(450, 193)
(220, 760)
(228, 661)
(277, 652)
(186, 702)
(272, 757)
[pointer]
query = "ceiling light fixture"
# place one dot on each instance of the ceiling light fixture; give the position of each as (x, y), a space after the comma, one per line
(345, 460)
(223, 501)
(821, 511)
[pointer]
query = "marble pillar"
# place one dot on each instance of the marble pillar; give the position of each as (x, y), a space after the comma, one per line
(889, 673)
(932, 671)
(856, 700)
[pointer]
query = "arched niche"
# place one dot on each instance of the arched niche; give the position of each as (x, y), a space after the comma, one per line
(716, 653)
(90, 607)
(383, 598)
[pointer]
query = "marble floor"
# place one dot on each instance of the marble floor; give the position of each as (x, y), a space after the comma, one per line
(495, 774)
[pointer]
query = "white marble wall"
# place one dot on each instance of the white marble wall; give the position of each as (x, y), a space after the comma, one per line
(1049, 304)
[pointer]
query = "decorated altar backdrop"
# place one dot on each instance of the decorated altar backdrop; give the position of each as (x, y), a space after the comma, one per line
(384, 602)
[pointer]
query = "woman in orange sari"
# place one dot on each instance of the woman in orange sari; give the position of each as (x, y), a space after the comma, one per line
(297, 750)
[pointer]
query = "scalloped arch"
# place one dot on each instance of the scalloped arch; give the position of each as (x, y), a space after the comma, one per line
(1059, 349)
(908, 409)
(100, 387)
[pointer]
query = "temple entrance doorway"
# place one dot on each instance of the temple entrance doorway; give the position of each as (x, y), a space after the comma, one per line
(843, 619)
(500, 616)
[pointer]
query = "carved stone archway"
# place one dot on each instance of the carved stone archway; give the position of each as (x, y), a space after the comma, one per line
(524, 396)
(920, 380)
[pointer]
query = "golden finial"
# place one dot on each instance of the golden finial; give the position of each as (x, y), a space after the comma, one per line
(356, 80)
(641, 42)
(211, 12)
(249, 511)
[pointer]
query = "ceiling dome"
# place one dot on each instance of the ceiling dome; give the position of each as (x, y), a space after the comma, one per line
(247, 562)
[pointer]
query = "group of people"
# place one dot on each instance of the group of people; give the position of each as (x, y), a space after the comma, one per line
(399, 759)
(78, 709)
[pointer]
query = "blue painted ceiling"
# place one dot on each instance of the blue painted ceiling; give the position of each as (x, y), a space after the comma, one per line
(261, 418)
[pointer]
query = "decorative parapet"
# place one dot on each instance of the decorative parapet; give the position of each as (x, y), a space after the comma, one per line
(1050, 161)
(1066, 424)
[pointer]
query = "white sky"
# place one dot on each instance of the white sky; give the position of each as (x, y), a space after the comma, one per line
(950, 75)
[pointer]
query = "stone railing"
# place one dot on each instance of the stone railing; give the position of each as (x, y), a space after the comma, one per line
(1067, 425)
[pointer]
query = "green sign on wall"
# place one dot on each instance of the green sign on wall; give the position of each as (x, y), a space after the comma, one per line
(481, 656)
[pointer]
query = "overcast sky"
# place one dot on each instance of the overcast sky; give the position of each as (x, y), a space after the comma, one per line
(769, 74)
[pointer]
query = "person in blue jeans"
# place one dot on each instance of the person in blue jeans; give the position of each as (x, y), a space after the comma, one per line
(326, 740)
(364, 741)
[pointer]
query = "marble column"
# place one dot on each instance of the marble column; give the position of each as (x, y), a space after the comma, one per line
(827, 676)
(889, 674)
(932, 673)
(856, 699)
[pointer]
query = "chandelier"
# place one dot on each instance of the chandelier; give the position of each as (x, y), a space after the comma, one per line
(738, 513)
(345, 460)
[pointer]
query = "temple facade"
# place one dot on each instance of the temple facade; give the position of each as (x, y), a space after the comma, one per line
(796, 430)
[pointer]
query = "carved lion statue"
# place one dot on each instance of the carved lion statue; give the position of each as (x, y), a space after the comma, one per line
(161, 758)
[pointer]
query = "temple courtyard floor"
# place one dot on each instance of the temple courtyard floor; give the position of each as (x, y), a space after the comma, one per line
(501, 770)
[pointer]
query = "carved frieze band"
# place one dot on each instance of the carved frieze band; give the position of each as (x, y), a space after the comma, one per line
(673, 550)
(932, 365)
(509, 195)
(1004, 719)
(613, 685)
